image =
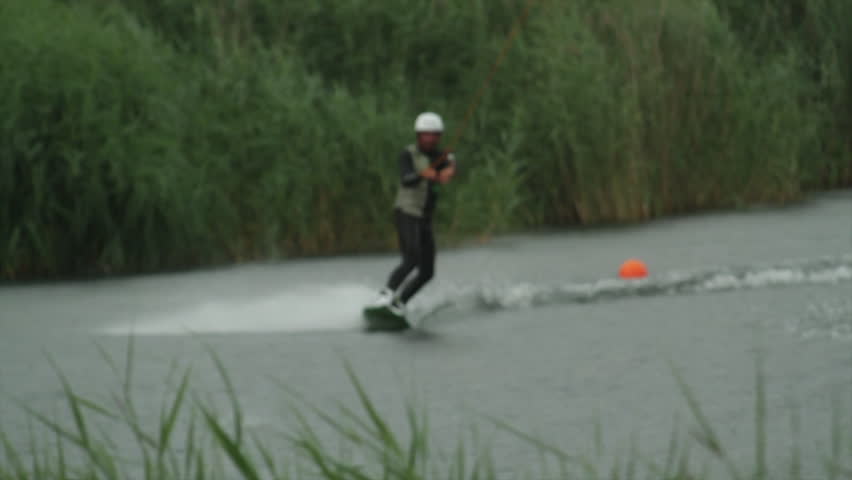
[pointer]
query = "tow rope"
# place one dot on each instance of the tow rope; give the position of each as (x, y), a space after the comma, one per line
(519, 21)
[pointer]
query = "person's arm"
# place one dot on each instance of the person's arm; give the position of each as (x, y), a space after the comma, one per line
(447, 170)
(409, 176)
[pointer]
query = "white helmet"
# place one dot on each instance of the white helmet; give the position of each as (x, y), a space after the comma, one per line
(428, 122)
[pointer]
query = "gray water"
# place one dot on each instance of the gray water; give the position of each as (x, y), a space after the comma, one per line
(536, 330)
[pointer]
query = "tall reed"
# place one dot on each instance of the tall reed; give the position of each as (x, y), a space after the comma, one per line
(151, 135)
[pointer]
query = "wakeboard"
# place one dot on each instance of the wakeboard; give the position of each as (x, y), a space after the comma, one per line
(381, 318)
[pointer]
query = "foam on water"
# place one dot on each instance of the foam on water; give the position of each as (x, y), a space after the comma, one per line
(337, 307)
(824, 320)
(825, 270)
(307, 308)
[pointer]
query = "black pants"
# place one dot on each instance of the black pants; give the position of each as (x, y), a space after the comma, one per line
(418, 251)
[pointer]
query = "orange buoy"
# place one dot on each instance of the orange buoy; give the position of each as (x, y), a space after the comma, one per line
(633, 268)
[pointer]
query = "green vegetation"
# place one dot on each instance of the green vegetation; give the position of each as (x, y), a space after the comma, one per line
(193, 439)
(144, 135)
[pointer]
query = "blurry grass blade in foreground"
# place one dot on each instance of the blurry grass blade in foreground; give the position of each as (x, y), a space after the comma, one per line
(375, 449)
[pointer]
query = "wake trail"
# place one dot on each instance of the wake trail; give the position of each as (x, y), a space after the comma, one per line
(823, 270)
(338, 307)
